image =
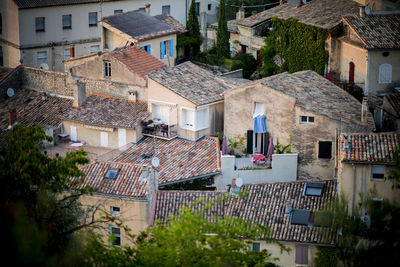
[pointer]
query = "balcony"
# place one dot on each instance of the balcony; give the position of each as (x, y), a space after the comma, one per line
(157, 128)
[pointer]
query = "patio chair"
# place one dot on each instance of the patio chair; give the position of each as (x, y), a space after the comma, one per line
(164, 129)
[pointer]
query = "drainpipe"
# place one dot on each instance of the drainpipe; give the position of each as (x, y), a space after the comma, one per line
(353, 201)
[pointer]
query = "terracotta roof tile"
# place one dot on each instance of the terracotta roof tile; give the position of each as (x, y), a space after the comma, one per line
(265, 205)
(377, 31)
(180, 159)
(108, 111)
(369, 147)
(138, 60)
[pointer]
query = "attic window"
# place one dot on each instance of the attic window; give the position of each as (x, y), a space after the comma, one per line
(313, 189)
(112, 173)
(306, 119)
(301, 217)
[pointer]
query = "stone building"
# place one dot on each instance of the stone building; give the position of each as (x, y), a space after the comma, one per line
(302, 108)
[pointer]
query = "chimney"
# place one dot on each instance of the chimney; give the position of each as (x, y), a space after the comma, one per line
(240, 14)
(12, 118)
(300, 3)
(364, 110)
(147, 8)
(79, 94)
(288, 207)
(362, 11)
(152, 188)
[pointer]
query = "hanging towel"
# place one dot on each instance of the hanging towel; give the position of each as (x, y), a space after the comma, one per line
(259, 124)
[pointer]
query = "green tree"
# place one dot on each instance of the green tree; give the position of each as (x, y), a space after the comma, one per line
(193, 40)
(394, 175)
(222, 45)
(247, 62)
(39, 211)
(188, 239)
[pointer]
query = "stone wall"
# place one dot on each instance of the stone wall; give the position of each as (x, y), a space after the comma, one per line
(13, 80)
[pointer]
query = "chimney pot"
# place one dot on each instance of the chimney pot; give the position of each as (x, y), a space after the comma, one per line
(79, 93)
(240, 14)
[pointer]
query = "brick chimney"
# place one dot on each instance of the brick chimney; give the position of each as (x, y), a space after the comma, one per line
(240, 14)
(147, 8)
(79, 93)
(12, 118)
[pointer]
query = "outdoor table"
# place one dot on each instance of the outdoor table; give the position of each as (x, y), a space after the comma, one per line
(76, 145)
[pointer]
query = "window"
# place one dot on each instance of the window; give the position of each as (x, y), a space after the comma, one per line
(161, 113)
(115, 235)
(107, 69)
(301, 254)
(67, 21)
(93, 19)
(209, 6)
(301, 217)
(147, 48)
(104, 139)
(197, 8)
(94, 48)
(112, 173)
(41, 58)
(377, 172)
(306, 119)
(115, 211)
(166, 9)
(313, 189)
(39, 24)
(67, 54)
(187, 118)
(255, 246)
(117, 11)
(202, 119)
(385, 54)
(166, 46)
(385, 73)
(325, 150)
(258, 109)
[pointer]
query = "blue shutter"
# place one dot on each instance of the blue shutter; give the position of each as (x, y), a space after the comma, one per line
(162, 50)
(171, 48)
(143, 48)
(149, 49)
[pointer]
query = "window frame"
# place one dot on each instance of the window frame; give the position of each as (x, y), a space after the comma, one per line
(37, 20)
(168, 7)
(372, 173)
(255, 246)
(319, 150)
(69, 53)
(190, 112)
(114, 212)
(197, 8)
(206, 117)
(117, 235)
(382, 79)
(67, 27)
(107, 71)
(146, 48)
(37, 58)
(115, 172)
(307, 119)
(91, 14)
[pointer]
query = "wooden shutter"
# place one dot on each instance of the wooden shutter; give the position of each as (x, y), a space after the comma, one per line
(171, 48)
(302, 254)
(351, 72)
(266, 143)
(162, 49)
(250, 142)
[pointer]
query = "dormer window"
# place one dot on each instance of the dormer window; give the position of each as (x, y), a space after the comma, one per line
(313, 189)
(112, 173)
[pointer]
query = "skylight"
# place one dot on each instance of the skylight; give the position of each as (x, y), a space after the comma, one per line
(313, 189)
(300, 217)
(112, 173)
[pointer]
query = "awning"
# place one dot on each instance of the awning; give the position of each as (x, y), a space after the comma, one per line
(259, 124)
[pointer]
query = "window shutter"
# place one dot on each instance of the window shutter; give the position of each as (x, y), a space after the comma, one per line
(149, 49)
(142, 47)
(171, 48)
(302, 254)
(162, 49)
(250, 142)
(266, 143)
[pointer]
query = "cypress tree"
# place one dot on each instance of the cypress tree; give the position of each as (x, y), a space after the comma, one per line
(193, 30)
(223, 48)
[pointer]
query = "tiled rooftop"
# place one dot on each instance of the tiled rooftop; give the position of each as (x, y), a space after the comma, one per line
(34, 108)
(232, 26)
(109, 112)
(394, 101)
(265, 205)
(317, 94)
(324, 14)
(376, 31)
(180, 159)
(126, 184)
(171, 21)
(44, 3)
(192, 82)
(370, 147)
(138, 60)
(4, 72)
(139, 25)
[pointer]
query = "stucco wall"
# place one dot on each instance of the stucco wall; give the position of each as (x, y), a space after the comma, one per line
(9, 37)
(92, 136)
(284, 169)
(133, 213)
(352, 187)
(357, 55)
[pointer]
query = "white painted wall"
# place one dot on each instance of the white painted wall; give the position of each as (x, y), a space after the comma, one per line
(284, 169)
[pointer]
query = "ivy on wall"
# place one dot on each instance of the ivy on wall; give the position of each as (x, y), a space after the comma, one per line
(293, 46)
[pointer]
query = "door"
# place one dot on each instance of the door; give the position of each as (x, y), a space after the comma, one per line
(104, 139)
(73, 133)
(121, 137)
(351, 72)
(258, 142)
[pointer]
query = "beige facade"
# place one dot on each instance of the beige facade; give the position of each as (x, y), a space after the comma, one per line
(133, 213)
(100, 135)
(9, 37)
(176, 106)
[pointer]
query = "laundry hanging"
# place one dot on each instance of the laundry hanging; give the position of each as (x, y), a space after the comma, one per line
(259, 124)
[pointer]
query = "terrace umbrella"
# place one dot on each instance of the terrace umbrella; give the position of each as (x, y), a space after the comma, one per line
(271, 146)
(224, 146)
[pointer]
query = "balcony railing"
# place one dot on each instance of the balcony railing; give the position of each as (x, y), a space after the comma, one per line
(159, 129)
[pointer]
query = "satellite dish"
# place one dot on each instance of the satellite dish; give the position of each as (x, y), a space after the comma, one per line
(10, 92)
(44, 66)
(367, 10)
(155, 162)
(239, 182)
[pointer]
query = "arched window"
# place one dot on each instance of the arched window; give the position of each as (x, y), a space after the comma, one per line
(385, 73)
(351, 72)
